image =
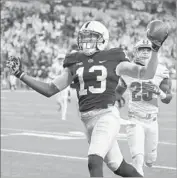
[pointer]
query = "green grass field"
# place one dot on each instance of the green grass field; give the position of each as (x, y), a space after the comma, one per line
(36, 143)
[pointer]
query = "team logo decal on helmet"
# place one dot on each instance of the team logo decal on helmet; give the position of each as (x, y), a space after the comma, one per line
(93, 36)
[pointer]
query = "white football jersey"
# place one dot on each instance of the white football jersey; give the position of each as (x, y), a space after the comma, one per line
(141, 100)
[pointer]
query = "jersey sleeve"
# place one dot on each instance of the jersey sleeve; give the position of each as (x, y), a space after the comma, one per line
(161, 73)
(70, 59)
(120, 55)
(124, 56)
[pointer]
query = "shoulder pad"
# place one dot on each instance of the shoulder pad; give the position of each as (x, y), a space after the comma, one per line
(162, 71)
(70, 59)
(126, 78)
(120, 54)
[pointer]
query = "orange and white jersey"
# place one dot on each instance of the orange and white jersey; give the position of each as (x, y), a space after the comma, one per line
(140, 99)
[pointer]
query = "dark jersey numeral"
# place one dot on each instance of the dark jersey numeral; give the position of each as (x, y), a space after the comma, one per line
(138, 87)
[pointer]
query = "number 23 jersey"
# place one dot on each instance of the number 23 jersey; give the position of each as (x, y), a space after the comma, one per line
(95, 77)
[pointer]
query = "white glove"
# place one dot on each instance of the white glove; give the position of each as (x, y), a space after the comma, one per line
(154, 89)
(149, 86)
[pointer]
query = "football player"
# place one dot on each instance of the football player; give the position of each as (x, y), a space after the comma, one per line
(142, 130)
(63, 96)
(13, 82)
(95, 72)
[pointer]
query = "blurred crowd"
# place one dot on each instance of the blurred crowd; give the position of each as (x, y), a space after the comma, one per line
(40, 32)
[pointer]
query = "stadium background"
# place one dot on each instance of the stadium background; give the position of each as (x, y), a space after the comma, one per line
(39, 31)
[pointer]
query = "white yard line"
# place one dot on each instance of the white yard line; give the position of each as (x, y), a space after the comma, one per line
(43, 154)
(58, 135)
(19, 91)
(38, 132)
(67, 157)
(164, 167)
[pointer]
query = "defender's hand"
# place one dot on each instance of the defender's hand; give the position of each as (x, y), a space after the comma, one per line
(14, 65)
(157, 33)
(149, 86)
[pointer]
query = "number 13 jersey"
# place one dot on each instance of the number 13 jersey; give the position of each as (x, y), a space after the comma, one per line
(95, 77)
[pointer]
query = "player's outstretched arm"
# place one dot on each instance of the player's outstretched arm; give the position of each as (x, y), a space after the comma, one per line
(46, 89)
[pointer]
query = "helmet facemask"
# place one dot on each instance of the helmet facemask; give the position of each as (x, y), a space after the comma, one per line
(90, 42)
(142, 55)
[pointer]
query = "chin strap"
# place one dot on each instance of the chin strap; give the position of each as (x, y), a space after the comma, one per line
(139, 64)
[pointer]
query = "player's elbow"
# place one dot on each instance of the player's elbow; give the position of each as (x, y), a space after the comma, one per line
(51, 90)
(48, 95)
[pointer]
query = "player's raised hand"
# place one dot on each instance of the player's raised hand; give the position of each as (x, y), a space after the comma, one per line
(14, 65)
(157, 33)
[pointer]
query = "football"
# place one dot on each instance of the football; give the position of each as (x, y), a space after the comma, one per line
(157, 30)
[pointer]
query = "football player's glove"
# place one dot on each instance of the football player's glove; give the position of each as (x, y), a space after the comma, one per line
(15, 67)
(157, 33)
(121, 102)
(149, 86)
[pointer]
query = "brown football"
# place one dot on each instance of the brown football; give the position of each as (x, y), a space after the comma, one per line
(157, 30)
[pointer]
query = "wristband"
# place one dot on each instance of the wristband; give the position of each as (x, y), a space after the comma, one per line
(18, 74)
(162, 95)
(155, 48)
(22, 75)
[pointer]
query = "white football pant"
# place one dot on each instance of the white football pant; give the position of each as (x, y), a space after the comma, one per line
(143, 141)
(102, 127)
(13, 82)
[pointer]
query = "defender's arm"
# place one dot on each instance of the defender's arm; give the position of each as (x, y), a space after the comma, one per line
(137, 71)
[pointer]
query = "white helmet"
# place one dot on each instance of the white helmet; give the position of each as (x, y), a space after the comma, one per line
(142, 51)
(93, 36)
